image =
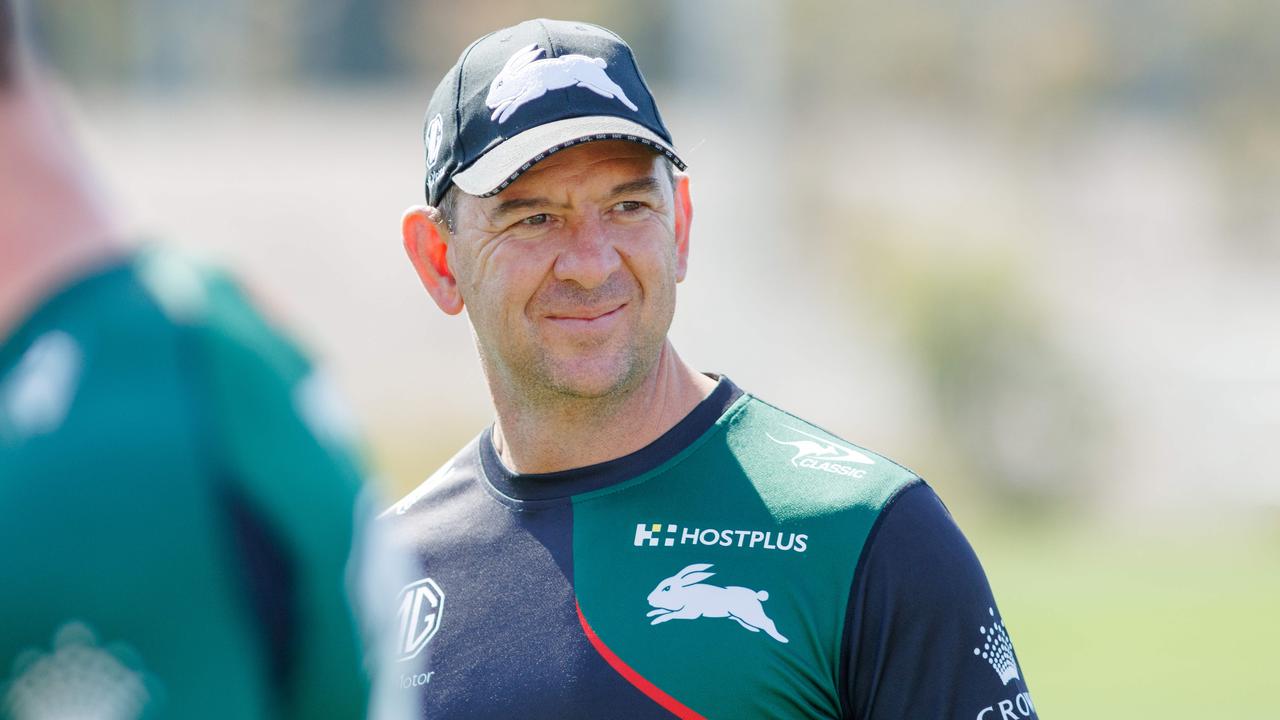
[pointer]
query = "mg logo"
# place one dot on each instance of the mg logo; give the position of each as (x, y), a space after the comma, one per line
(421, 606)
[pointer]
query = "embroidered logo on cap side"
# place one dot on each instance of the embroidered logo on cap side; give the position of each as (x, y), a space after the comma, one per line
(435, 135)
(526, 78)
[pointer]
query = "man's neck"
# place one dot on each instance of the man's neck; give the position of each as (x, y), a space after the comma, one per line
(53, 224)
(542, 440)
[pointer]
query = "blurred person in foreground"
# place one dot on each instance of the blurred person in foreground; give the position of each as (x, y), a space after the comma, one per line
(178, 496)
(632, 538)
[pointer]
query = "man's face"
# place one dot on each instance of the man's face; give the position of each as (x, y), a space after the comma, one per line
(569, 274)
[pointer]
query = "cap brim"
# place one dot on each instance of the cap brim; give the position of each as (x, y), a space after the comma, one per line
(499, 167)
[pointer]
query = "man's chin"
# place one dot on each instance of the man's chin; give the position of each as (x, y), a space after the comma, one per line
(593, 378)
(590, 388)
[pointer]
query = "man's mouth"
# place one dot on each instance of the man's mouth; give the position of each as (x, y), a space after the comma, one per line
(586, 317)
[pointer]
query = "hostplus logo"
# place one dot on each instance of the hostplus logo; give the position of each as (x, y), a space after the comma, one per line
(818, 453)
(670, 535)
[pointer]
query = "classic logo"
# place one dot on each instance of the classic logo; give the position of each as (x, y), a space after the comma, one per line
(435, 136)
(683, 597)
(997, 649)
(421, 607)
(818, 453)
(526, 78)
(669, 535)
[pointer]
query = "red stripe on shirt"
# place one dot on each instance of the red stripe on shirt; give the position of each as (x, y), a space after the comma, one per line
(652, 691)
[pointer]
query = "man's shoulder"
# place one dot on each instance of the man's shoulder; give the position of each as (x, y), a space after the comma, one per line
(809, 465)
(105, 314)
(216, 309)
(156, 305)
(272, 419)
(141, 332)
(457, 473)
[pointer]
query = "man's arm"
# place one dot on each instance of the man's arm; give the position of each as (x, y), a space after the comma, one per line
(924, 637)
(290, 480)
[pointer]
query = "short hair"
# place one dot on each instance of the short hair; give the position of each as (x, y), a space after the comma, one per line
(8, 42)
(448, 206)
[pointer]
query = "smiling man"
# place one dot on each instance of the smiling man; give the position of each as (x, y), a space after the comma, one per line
(619, 490)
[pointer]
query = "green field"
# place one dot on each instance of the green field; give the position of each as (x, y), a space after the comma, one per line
(1113, 624)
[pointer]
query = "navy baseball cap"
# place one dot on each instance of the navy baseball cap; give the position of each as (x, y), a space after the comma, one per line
(517, 95)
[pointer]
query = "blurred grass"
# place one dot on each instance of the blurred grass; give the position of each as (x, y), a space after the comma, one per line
(1149, 624)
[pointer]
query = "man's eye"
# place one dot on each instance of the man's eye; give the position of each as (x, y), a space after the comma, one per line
(539, 219)
(627, 206)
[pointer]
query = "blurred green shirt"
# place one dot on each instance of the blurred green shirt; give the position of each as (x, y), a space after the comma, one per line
(177, 508)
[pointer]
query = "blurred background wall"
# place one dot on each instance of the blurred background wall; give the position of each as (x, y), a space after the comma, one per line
(1031, 249)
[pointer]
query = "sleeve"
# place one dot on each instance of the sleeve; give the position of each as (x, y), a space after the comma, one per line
(924, 637)
(283, 446)
(377, 573)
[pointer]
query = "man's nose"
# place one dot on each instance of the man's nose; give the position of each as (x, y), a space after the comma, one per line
(588, 256)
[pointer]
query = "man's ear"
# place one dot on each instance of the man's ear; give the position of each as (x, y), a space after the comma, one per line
(426, 242)
(684, 218)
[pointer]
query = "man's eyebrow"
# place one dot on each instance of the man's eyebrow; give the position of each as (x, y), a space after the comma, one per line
(642, 185)
(508, 207)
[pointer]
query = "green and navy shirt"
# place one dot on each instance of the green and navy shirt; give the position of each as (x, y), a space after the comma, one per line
(746, 564)
(177, 509)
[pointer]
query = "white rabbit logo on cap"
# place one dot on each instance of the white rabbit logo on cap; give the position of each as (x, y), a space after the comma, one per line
(526, 78)
(683, 597)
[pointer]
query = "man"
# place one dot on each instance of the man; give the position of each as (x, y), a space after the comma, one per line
(632, 538)
(177, 494)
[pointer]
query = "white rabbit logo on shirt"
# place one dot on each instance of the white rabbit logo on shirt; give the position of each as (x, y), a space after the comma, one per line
(526, 78)
(683, 597)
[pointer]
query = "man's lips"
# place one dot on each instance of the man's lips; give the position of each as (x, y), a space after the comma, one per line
(585, 317)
